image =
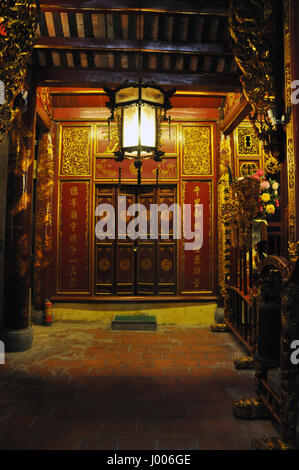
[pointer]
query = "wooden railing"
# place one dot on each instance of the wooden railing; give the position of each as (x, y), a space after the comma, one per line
(240, 304)
(241, 284)
(275, 399)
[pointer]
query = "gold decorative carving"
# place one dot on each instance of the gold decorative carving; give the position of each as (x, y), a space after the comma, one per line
(106, 170)
(21, 20)
(104, 264)
(251, 26)
(224, 195)
(44, 97)
(248, 142)
(271, 165)
(270, 443)
(219, 327)
(166, 168)
(76, 151)
(248, 168)
(43, 256)
(197, 150)
(290, 160)
(107, 135)
(293, 251)
(250, 408)
(166, 264)
(232, 99)
(244, 362)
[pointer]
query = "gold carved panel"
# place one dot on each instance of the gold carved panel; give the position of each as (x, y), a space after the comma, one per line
(197, 151)
(247, 142)
(75, 151)
(248, 168)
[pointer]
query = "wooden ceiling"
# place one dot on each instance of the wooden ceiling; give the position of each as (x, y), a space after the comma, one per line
(102, 43)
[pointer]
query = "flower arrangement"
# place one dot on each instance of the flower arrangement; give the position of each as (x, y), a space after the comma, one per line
(268, 198)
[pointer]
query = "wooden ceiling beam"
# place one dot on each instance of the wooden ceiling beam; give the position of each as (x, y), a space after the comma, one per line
(127, 45)
(92, 114)
(85, 77)
(204, 7)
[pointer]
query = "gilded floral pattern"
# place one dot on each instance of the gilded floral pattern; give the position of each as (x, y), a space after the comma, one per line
(248, 142)
(197, 151)
(75, 151)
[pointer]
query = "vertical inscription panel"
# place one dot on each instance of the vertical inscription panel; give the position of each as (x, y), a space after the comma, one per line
(197, 264)
(73, 237)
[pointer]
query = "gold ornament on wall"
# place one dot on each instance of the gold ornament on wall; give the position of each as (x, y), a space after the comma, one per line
(248, 168)
(197, 150)
(20, 23)
(248, 143)
(251, 26)
(76, 151)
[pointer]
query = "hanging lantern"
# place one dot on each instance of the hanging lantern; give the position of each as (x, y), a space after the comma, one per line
(139, 109)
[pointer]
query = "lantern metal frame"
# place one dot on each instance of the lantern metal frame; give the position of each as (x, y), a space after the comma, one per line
(139, 101)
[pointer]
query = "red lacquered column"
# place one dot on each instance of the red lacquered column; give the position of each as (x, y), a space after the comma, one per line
(17, 334)
(43, 258)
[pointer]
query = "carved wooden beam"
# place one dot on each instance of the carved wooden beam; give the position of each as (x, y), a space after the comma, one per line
(85, 77)
(126, 45)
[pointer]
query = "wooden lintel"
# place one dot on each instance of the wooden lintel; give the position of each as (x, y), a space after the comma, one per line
(94, 114)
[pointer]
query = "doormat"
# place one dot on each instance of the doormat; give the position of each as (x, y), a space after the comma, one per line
(134, 322)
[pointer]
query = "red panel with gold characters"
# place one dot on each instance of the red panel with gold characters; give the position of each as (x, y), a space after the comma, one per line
(73, 237)
(197, 264)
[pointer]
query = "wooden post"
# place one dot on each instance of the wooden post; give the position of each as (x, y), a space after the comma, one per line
(17, 334)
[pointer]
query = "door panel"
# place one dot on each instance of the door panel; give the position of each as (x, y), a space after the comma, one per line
(124, 245)
(104, 249)
(144, 266)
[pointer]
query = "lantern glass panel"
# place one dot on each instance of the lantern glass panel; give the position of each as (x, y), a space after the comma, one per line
(152, 94)
(126, 95)
(130, 127)
(148, 126)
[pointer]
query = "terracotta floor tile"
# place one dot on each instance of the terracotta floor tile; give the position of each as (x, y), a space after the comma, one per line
(173, 443)
(85, 387)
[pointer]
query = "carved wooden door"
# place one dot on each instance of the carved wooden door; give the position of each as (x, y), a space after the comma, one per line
(137, 264)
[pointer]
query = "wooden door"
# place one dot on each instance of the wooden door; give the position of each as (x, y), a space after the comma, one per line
(141, 266)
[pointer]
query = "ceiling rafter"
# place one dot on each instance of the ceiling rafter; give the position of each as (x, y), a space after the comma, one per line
(127, 45)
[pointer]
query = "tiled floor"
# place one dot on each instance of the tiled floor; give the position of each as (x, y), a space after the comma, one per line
(83, 387)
